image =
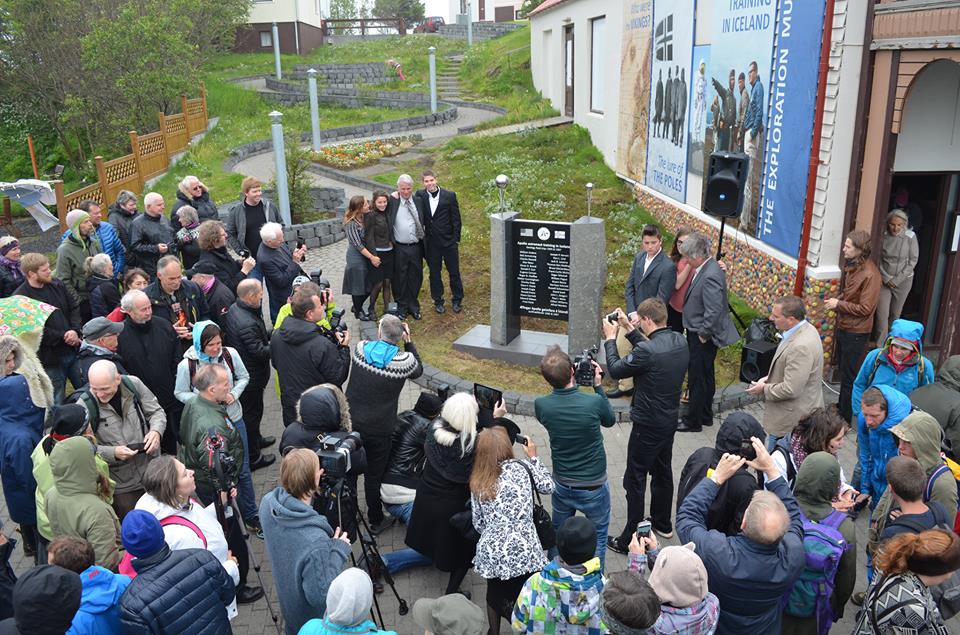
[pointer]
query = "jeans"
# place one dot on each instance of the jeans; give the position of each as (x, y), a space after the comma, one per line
(255, 273)
(68, 368)
(594, 504)
(405, 558)
(401, 511)
(246, 498)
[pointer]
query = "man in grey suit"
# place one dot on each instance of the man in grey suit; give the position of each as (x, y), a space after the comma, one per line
(709, 327)
(792, 386)
(652, 275)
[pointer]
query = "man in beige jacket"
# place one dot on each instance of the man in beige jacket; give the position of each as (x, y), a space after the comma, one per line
(792, 387)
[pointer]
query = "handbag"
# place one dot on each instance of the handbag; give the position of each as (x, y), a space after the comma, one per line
(541, 518)
(463, 523)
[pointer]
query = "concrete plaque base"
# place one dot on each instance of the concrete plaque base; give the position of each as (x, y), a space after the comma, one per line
(527, 349)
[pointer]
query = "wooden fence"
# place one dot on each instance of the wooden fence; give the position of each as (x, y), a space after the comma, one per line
(150, 155)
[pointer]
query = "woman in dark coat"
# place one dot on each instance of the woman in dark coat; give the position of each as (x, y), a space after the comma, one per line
(10, 275)
(444, 490)
(188, 236)
(213, 243)
(104, 290)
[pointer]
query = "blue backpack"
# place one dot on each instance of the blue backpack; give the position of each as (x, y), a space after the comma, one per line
(823, 545)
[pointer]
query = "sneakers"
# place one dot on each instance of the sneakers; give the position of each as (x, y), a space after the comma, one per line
(859, 598)
(253, 526)
(665, 534)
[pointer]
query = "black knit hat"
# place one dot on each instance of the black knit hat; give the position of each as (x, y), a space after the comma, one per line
(428, 405)
(68, 420)
(577, 540)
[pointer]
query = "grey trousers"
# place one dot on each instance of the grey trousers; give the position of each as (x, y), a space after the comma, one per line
(889, 307)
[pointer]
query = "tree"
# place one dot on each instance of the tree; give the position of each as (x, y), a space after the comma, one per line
(343, 9)
(528, 6)
(410, 10)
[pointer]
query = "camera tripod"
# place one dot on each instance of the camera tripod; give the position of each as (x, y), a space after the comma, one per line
(341, 497)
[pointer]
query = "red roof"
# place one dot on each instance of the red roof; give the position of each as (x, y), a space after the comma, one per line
(546, 5)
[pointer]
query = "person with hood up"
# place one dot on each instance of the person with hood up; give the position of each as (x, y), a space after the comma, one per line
(182, 592)
(99, 612)
(66, 421)
(941, 399)
(899, 254)
(898, 363)
(190, 191)
(74, 506)
(817, 485)
(348, 607)
(208, 349)
(35, 593)
(726, 511)
(21, 429)
(679, 579)
(72, 254)
(322, 411)
(881, 408)
(303, 354)
(295, 534)
(564, 596)
(919, 436)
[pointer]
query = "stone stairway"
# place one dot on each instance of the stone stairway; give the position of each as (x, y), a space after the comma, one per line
(481, 30)
(448, 82)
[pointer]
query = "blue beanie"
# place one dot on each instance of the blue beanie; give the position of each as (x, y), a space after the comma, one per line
(141, 534)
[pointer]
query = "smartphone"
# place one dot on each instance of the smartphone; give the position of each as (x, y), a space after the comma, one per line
(300, 244)
(522, 439)
(860, 504)
(643, 529)
(136, 447)
(486, 396)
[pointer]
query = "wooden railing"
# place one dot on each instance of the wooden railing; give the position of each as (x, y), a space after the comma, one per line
(149, 156)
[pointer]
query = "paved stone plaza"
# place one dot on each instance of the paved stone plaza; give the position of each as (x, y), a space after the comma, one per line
(418, 583)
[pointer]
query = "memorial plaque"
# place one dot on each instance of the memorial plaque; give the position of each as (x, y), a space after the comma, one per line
(540, 268)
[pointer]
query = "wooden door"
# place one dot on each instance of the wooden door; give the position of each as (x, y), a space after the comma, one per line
(568, 70)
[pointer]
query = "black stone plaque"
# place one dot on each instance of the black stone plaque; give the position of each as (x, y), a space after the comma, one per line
(540, 269)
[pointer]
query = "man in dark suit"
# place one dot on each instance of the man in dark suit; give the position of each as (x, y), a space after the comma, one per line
(709, 327)
(443, 240)
(652, 275)
(408, 226)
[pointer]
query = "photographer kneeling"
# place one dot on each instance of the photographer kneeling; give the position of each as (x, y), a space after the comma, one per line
(306, 553)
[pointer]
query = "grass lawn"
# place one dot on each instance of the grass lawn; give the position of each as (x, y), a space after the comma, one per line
(548, 170)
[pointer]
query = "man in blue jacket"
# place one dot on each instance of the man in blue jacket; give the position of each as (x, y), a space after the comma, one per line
(898, 362)
(748, 572)
(881, 408)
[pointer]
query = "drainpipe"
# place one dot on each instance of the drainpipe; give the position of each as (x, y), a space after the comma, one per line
(802, 260)
(296, 26)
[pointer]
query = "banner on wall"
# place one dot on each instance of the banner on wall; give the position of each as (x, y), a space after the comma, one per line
(635, 89)
(699, 112)
(793, 88)
(669, 99)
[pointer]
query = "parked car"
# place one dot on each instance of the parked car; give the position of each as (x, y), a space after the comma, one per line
(429, 25)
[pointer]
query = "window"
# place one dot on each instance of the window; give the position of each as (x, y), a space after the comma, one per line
(266, 39)
(597, 50)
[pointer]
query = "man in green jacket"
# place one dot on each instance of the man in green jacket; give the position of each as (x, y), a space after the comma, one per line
(74, 506)
(72, 253)
(206, 428)
(573, 420)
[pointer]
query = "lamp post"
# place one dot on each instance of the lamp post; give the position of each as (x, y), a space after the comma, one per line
(314, 108)
(276, 50)
(433, 78)
(469, 25)
(502, 181)
(280, 159)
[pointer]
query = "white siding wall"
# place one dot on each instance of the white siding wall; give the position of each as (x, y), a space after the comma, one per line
(546, 42)
(286, 11)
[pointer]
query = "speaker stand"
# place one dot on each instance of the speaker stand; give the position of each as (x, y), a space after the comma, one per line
(720, 254)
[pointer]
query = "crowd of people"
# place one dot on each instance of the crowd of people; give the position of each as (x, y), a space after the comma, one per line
(131, 426)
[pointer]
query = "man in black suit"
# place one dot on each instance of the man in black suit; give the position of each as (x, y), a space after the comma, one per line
(707, 320)
(408, 225)
(653, 275)
(443, 240)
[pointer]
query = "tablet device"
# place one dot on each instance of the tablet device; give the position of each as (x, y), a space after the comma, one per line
(486, 396)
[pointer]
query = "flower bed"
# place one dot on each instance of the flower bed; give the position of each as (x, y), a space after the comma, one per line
(357, 155)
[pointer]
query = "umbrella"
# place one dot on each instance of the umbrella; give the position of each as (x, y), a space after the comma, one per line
(33, 194)
(20, 315)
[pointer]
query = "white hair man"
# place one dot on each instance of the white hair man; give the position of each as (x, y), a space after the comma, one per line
(278, 264)
(409, 222)
(748, 572)
(150, 237)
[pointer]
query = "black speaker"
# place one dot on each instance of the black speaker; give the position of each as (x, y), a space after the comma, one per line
(755, 360)
(726, 180)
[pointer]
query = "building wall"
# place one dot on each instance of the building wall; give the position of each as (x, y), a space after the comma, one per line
(248, 38)
(547, 66)
(310, 12)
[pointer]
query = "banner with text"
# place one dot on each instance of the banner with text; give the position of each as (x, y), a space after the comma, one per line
(790, 132)
(673, 24)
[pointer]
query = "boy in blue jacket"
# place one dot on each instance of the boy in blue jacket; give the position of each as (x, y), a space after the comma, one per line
(98, 614)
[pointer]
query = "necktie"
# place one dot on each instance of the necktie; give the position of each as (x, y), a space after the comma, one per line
(408, 203)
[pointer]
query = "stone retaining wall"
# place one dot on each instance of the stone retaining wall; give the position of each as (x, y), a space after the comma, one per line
(393, 126)
(481, 30)
(296, 93)
(344, 74)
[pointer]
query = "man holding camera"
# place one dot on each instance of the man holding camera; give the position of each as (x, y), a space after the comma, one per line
(305, 354)
(279, 264)
(657, 363)
(380, 369)
(573, 420)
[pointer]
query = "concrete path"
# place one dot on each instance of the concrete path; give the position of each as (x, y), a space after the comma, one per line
(549, 122)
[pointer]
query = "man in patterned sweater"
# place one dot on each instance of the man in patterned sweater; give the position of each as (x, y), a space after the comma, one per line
(380, 370)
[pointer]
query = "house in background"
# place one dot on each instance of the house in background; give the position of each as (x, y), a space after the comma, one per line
(486, 10)
(299, 24)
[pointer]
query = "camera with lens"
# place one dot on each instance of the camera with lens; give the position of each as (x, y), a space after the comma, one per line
(583, 366)
(316, 276)
(612, 318)
(224, 465)
(394, 309)
(244, 254)
(336, 454)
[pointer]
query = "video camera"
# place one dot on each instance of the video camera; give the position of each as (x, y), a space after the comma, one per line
(336, 454)
(222, 464)
(583, 367)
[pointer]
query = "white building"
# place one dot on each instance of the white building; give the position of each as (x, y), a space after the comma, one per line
(300, 24)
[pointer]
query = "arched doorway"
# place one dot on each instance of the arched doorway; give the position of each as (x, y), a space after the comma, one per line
(926, 182)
